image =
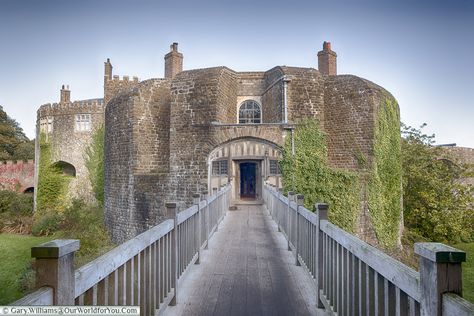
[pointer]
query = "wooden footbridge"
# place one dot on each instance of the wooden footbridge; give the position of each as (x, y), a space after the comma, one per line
(277, 258)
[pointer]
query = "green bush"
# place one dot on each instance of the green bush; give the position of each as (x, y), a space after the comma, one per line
(6, 200)
(16, 203)
(46, 225)
(86, 223)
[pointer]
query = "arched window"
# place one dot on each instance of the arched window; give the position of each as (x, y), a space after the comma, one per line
(250, 112)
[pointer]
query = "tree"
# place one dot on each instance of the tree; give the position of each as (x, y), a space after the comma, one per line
(436, 205)
(13, 138)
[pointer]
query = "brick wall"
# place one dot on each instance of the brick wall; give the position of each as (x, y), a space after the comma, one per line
(17, 176)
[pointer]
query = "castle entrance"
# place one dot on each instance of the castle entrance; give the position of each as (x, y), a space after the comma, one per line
(247, 163)
(248, 180)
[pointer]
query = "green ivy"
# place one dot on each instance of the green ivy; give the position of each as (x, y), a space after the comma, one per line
(308, 173)
(52, 183)
(94, 160)
(385, 184)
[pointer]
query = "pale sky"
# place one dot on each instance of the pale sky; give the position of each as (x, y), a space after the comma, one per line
(421, 51)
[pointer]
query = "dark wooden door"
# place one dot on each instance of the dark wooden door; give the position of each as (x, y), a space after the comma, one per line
(248, 180)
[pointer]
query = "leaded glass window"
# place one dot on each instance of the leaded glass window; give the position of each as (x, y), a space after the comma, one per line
(250, 112)
(274, 167)
(83, 122)
(219, 167)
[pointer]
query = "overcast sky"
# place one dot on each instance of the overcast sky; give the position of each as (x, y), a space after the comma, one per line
(421, 51)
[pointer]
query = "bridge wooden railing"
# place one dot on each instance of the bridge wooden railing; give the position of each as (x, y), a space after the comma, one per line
(143, 271)
(354, 278)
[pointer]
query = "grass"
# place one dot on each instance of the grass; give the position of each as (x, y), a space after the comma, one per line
(467, 271)
(14, 263)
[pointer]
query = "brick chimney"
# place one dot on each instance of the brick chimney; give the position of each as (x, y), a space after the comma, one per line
(108, 70)
(173, 62)
(327, 64)
(65, 95)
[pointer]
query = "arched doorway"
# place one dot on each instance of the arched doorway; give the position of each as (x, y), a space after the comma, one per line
(246, 163)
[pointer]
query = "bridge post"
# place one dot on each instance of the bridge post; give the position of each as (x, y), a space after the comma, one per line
(322, 212)
(55, 268)
(288, 232)
(206, 217)
(197, 239)
(171, 213)
(299, 203)
(440, 272)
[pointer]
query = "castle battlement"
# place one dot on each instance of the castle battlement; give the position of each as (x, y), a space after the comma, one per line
(125, 78)
(29, 162)
(79, 106)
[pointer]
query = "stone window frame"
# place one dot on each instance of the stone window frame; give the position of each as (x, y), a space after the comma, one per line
(83, 122)
(274, 167)
(46, 124)
(250, 120)
(220, 167)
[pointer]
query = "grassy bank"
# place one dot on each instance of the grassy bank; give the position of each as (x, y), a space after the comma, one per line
(14, 263)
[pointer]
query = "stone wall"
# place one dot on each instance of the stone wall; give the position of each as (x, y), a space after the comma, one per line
(17, 176)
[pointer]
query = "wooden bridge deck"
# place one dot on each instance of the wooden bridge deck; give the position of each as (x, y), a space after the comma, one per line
(246, 271)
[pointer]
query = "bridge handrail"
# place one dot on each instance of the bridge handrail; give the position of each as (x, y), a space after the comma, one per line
(42, 296)
(95, 271)
(142, 271)
(353, 277)
(402, 276)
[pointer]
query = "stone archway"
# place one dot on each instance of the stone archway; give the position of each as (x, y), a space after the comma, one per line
(66, 168)
(247, 163)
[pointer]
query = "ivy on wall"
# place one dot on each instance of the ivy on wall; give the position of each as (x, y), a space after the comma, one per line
(385, 186)
(52, 183)
(308, 173)
(94, 161)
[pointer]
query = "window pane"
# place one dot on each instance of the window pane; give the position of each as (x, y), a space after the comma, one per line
(249, 112)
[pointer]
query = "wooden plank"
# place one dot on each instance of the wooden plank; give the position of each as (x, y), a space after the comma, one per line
(101, 293)
(399, 274)
(112, 289)
(454, 304)
(89, 297)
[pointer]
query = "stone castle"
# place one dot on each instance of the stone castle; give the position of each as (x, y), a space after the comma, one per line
(196, 130)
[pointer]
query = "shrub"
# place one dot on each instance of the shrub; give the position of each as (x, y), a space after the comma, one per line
(46, 225)
(85, 222)
(17, 203)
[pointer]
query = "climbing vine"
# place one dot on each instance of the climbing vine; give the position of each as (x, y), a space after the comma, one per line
(52, 183)
(307, 172)
(94, 160)
(385, 186)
